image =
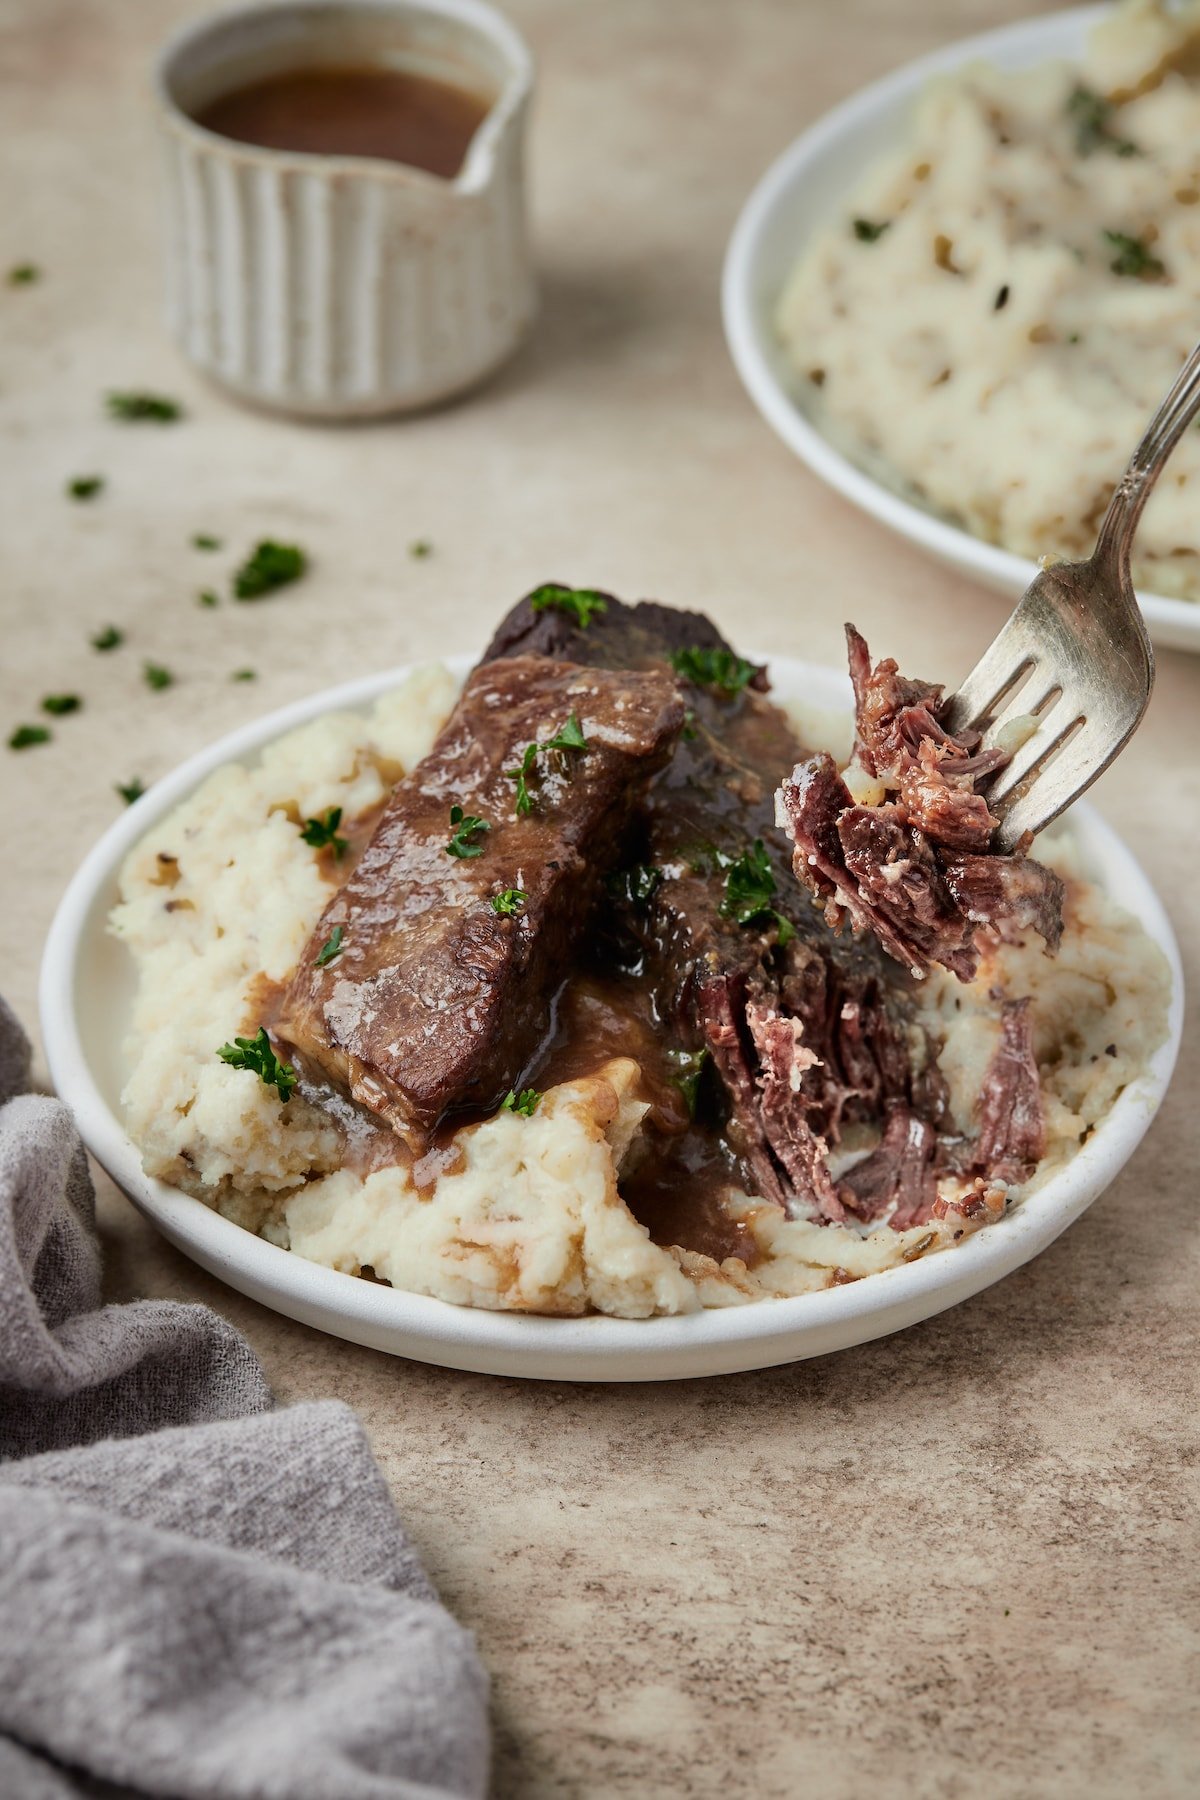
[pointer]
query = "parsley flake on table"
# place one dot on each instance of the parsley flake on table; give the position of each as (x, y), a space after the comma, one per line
(85, 487)
(25, 736)
(419, 549)
(690, 1064)
(59, 704)
(636, 886)
(321, 834)
(525, 1103)
(718, 669)
(156, 677)
(333, 946)
(1133, 257)
(108, 639)
(130, 790)
(24, 275)
(206, 597)
(750, 889)
(580, 604)
(268, 567)
(868, 232)
(466, 828)
(244, 675)
(509, 903)
(1091, 114)
(202, 541)
(135, 406)
(257, 1055)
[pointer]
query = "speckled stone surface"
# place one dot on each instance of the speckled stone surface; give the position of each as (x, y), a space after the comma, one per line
(962, 1561)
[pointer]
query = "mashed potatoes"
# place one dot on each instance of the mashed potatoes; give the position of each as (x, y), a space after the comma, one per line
(522, 1214)
(1009, 296)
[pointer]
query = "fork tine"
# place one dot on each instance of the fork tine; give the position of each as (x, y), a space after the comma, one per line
(1011, 657)
(1054, 787)
(1052, 730)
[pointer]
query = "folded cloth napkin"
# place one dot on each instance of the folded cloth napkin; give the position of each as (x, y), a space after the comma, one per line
(200, 1596)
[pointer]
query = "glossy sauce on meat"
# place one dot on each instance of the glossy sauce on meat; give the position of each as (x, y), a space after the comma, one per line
(393, 114)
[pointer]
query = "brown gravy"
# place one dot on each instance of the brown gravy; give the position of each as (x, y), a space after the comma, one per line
(389, 113)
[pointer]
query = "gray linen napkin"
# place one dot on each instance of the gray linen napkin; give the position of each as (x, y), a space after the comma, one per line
(199, 1596)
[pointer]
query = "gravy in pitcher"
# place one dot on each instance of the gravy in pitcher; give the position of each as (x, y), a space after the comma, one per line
(390, 113)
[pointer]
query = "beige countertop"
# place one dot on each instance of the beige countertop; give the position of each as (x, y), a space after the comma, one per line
(958, 1561)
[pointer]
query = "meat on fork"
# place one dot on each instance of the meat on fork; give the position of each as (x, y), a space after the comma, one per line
(901, 846)
(438, 998)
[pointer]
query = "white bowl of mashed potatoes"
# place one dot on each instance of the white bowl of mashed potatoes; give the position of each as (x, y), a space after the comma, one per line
(960, 295)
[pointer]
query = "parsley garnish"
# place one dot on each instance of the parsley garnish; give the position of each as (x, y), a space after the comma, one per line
(635, 886)
(108, 639)
(525, 1102)
(1133, 258)
(579, 604)
(85, 487)
(130, 790)
(569, 738)
(719, 669)
(206, 597)
(1091, 114)
(333, 946)
(58, 704)
(202, 541)
(466, 827)
(691, 1066)
(420, 548)
(244, 675)
(257, 1055)
(134, 406)
(270, 566)
(509, 902)
(24, 275)
(155, 676)
(749, 890)
(26, 735)
(868, 233)
(322, 833)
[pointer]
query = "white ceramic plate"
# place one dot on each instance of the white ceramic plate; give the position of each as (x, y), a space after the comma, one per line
(807, 185)
(86, 991)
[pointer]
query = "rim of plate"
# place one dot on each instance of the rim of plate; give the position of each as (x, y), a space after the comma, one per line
(760, 362)
(595, 1347)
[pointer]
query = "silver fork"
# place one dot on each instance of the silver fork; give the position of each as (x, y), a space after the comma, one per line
(1078, 646)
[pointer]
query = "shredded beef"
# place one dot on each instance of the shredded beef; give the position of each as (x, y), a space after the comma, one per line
(1012, 1126)
(915, 869)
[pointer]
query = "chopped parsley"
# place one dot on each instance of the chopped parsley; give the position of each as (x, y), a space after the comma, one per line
(580, 604)
(24, 275)
(108, 639)
(257, 1055)
(201, 540)
(136, 406)
(1133, 258)
(26, 735)
(270, 566)
(85, 487)
(636, 886)
(333, 946)
(244, 675)
(509, 903)
(868, 232)
(570, 737)
(466, 828)
(321, 834)
(750, 889)
(130, 790)
(519, 775)
(1091, 115)
(155, 676)
(206, 597)
(525, 1102)
(719, 669)
(689, 726)
(58, 704)
(419, 549)
(690, 1064)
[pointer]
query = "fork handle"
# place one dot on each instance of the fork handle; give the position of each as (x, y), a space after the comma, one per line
(1133, 490)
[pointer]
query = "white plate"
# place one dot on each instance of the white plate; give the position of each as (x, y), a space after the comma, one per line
(799, 193)
(86, 990)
